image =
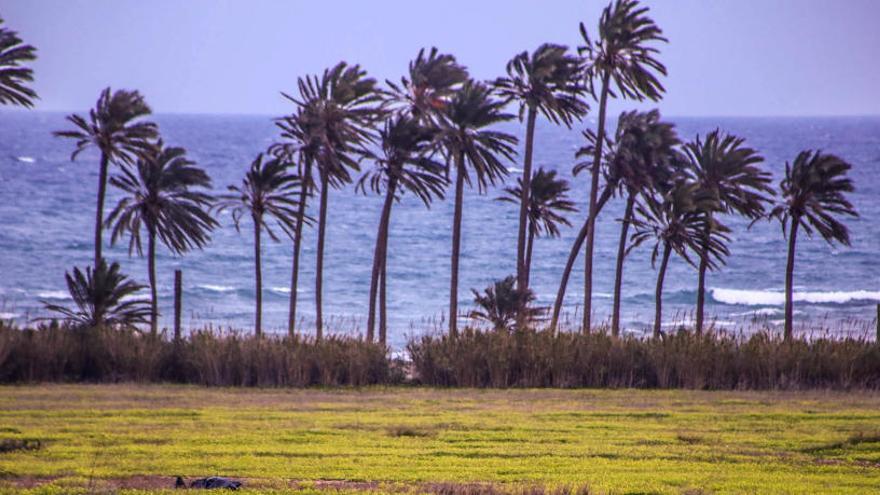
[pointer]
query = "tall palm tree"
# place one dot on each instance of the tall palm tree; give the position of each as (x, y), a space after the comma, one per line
(102, 297)
(813, 193)
(474, 150)
(302, 141)
(267, 190)
(730, 172)
(344, 105)
(115, 127)
(641, 161)
(405, 165)
(432, 78)
(14, 76)
(160, 197)
(548, 202)
(547, 81)
(622, 57)
(503, 304)
(677, 223)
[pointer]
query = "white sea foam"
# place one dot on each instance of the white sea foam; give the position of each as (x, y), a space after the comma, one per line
(216, 288)
(53, 294)
(8, 316)
(25, 159)
(777, 298)
(514, 170)
(281, 290)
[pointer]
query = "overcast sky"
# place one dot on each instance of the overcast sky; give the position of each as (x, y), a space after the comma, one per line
(732, 57)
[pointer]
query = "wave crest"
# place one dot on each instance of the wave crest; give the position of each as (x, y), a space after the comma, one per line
(777, 298)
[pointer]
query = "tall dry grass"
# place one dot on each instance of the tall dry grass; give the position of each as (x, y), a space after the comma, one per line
(680, 360)
(54, 353)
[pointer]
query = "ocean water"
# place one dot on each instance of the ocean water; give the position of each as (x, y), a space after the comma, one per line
(47, 208)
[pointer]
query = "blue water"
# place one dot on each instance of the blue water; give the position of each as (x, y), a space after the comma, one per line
(47, 210)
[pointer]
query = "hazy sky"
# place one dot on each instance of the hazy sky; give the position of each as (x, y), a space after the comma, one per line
(732, 57)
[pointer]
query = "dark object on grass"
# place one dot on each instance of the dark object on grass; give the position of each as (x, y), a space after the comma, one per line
(13, 444)
(209, 483)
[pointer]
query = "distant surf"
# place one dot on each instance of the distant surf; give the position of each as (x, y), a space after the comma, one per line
(777, 298)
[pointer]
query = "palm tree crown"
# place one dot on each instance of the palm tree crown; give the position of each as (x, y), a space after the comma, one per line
(267, 191)
(160, 197)
(469, 112)
(621, 53)
(503, 304)
(547, 80)
(813, 193)
(432, 79)
(103, 299)
(113, 126)
(13, 74)
(547, 202)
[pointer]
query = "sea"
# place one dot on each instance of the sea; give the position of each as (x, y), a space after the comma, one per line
(47, 207)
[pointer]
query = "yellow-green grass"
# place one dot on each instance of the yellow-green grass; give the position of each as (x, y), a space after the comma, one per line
(614, 441)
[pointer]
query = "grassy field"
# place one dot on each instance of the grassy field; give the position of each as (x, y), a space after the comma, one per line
(130, 438)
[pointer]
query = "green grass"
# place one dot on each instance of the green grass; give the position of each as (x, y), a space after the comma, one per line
(613, 441)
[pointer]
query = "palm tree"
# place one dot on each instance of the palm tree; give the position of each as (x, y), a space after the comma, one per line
(160, 197)
(813, 192)
(642, 161)
(268, 190)
(406, 165)
(432, 79)
(677, 223)
(503, 304)
(547, 82)
(622, 56)
(103, 299)
(342, 106)
(730, 173)
(14, 75)
(474, 150)
(115, 130)
(548, 201)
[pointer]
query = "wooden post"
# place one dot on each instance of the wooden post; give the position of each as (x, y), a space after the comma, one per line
(178, 283)
(878, 323)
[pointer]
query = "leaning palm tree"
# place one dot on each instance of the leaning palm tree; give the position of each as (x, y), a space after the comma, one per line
(103, 299)
(621, 57)
(14, 76)
(504, 305)
(474, 150)
(432, 78)
(115, 129)
(546, 81)
(677, 223)
(344, 105)
(161, 198)
(730, 172)
(641, 161)
(813, 193)
(268, 190)
(548, 202)
(406, 164)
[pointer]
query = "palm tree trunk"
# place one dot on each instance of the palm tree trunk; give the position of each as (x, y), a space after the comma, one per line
(319, 263)
(381, 237)
(789, 279)
(258, 267)
(621, 254)
(529, 245)
(383, 299)
(591, 219)
(658, 293)
(701, 282)
(572, 257)
(521, 277)
(151, 267)
(297, 243)
(99, 214)
(456, 244)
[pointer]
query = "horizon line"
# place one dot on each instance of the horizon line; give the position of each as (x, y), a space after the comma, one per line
(15, 109)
